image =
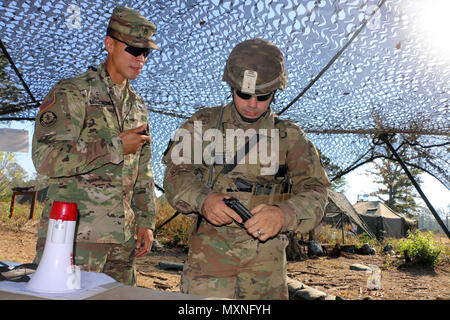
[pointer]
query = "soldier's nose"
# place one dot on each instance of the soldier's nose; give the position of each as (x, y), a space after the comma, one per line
(140, 58)
(252, 102)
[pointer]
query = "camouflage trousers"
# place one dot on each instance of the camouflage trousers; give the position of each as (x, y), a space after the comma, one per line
(116, 260)
(226, 262)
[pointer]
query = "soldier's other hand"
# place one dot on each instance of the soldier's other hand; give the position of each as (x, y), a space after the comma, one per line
(217, 212)
(133, 139)
(144, 242)
(266, 222)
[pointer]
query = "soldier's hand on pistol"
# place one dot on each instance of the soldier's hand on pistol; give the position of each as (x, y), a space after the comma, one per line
(266, 222)
(133, 139)
(144, 242)
(217, 212)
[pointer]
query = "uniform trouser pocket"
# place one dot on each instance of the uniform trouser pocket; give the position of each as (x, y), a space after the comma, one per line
(227, 262)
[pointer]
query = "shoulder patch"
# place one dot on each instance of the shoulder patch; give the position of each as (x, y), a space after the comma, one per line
(47, 103)
(47, 119)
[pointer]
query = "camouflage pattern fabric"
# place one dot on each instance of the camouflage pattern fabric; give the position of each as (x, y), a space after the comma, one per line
(257, 55)
(228, 263)
(76, 143)
(218, 255)
(134, 28)
(116, 260)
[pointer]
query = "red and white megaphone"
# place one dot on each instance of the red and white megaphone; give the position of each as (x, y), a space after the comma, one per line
(56, 272)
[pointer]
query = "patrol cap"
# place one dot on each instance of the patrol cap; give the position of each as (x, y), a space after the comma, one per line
(132, 27)
(256, 67)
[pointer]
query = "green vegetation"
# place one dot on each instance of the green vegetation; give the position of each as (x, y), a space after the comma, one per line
(177, 231)
(395, 188)
(21, 215)
(11, 174)
(421, 248)
(365, 238)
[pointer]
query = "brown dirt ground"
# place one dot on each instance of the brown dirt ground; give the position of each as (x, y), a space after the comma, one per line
(330, 275)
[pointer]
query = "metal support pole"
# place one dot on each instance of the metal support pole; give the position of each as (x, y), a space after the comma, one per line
(385, 139)
(27, 89)
(168, 220)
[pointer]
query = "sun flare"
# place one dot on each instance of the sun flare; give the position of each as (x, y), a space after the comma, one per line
(434, 25)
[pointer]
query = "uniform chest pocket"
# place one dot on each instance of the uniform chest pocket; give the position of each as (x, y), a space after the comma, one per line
(100, 116)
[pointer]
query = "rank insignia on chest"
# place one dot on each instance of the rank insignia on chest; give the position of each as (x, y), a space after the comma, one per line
(47, 103)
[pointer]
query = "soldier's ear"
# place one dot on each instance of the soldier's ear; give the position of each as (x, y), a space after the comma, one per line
(109, 44)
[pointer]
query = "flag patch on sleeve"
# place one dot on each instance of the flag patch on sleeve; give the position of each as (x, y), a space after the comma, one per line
(47, 103)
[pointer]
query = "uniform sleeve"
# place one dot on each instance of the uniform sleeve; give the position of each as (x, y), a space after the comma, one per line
(184, 189)
(305, 209)
(144, 198)
(58, 149)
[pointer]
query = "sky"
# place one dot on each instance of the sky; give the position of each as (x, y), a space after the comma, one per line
(358, 182)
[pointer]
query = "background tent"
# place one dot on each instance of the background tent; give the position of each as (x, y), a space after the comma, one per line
(382, 221)
(339, 210)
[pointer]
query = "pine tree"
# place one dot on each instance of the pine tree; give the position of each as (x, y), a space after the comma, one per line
(338, 185)
(11, 174)
(396, 190)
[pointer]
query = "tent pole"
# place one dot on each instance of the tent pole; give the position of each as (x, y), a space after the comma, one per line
(385, 139)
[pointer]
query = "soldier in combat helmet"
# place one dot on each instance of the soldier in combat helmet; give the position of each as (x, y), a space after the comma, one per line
(92, 139)
(246, 261)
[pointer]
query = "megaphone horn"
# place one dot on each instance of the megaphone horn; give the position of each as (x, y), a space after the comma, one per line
(56, 272)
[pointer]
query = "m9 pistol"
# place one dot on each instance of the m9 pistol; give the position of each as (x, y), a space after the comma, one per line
(239, 208)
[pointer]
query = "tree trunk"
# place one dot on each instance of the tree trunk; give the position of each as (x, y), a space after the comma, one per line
(294, 251)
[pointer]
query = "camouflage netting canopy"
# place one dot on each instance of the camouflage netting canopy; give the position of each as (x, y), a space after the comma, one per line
(354, 72)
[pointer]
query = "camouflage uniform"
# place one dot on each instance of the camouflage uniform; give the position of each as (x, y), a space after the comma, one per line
(226, 261)
(76, 143)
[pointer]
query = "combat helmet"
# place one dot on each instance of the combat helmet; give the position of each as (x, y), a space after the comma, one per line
(256, 67)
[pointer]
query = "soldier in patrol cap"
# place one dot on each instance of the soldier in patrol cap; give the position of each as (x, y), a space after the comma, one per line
(92, 139)
(227, 259)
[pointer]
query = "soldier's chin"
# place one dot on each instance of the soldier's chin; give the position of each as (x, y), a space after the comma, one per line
(249, 119)
(251, 115)
(134, 73)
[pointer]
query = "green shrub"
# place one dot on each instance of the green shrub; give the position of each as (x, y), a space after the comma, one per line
(177, 232)
(421, 248)
(365, 238)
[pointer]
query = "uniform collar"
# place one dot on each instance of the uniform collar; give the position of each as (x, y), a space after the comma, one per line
(106, 79)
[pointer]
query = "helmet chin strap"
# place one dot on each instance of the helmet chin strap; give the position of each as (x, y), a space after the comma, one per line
(251, 120)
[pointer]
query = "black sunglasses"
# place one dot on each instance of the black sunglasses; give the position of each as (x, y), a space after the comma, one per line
(134, 51)
(247, 96)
